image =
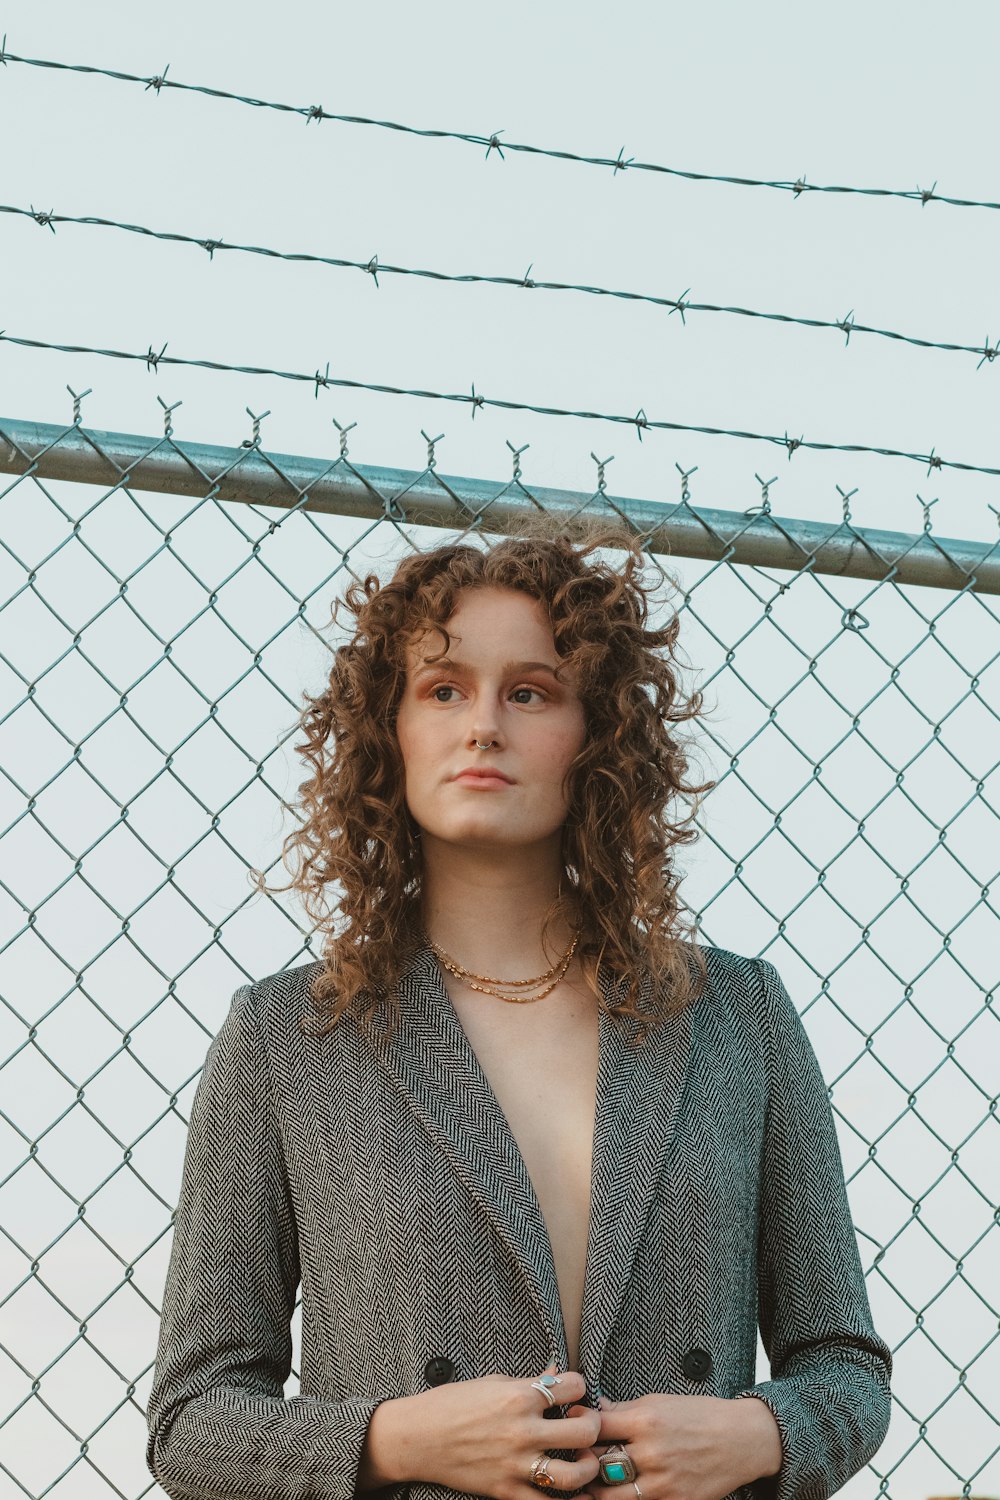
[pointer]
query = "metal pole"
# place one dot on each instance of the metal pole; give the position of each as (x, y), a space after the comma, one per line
(247, 474)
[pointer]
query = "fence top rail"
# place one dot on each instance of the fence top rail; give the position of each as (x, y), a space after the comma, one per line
(250, 475)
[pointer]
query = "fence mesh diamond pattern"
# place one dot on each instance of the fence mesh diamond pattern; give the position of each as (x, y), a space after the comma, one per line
(166, 607)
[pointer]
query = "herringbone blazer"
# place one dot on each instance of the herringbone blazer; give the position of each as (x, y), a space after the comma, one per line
(380, 1175)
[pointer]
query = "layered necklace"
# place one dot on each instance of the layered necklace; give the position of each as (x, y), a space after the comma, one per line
(487, 982)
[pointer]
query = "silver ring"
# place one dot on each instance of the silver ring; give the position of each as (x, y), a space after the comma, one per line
(638, 1491)
(617, 1466)
(483, 747)
(542, 1384)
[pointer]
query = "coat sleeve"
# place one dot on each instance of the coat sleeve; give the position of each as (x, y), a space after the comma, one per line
(830, 1370)
(219, 1426)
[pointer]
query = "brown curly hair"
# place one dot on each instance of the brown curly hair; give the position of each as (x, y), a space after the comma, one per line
(360, 862)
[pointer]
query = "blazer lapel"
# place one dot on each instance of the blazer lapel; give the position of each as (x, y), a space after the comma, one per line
(437, 1071)
(639, 1090)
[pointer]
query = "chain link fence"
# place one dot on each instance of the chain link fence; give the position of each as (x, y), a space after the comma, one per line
(166, 607)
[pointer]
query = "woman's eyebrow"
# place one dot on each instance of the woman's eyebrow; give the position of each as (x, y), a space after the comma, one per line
(508, 666)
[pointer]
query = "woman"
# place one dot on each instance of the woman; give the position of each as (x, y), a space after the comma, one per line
(532, 1153)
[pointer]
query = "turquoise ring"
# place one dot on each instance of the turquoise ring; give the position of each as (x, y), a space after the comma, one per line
(617, 1467)
(542, 1384)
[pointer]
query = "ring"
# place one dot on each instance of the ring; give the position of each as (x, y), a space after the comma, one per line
(539, 1474)
(617, 1467)
(542, 1384)
(638, 1491)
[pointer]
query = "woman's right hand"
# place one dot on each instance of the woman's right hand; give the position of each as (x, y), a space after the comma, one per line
(480, 1437)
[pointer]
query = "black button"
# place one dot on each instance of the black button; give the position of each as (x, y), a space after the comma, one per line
(697, 1364)
(439, 1370)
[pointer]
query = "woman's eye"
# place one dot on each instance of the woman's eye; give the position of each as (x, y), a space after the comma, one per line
(445, 687)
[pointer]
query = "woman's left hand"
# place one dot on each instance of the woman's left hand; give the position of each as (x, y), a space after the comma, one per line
(688, 1447)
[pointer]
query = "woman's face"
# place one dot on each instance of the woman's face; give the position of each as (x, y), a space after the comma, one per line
(497, 684)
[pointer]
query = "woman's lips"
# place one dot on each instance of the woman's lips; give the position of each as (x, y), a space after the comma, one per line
(474, 778)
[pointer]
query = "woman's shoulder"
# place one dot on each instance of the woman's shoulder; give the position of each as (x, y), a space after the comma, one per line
(754, 997)
(286, 984)
(726, 964)
(731, 975)
(749, 989)
(279, 998)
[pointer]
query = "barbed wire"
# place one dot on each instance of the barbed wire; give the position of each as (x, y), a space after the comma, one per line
(492, 142)
(847, 325)
(320, 381)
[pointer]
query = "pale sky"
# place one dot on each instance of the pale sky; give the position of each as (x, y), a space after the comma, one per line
(872, 96)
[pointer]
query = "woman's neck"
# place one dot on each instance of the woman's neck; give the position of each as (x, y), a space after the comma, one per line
(486, 908)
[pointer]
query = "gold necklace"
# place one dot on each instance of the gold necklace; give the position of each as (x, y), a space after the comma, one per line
(469, 976)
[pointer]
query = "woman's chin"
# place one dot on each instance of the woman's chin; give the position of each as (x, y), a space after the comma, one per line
(488, 835)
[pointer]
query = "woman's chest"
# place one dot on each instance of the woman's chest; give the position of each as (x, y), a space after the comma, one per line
(388, 1179)
(542, 1071)
(545, 1082)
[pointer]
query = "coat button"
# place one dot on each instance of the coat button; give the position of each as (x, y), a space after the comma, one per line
(439, 1370)
(697, 1364)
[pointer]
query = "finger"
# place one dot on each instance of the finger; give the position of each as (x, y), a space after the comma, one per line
(624, 1491)
(621, 1491)
(588, 1413)
(602, 1491)
(569, 1432)
(616, 1427)
(570, 1475)
(570, 1387)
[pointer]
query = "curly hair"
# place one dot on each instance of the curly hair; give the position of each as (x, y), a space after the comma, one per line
(358, 846)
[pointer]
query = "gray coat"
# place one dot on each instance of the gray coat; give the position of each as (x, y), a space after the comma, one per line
(382, 1175)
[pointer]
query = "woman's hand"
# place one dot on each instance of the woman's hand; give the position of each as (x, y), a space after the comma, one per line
(481, 1437)
(689, 1447)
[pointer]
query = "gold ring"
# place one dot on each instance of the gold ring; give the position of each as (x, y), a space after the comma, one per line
(539, 1473)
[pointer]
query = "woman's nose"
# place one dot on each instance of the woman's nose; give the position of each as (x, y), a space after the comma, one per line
(484, 727)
